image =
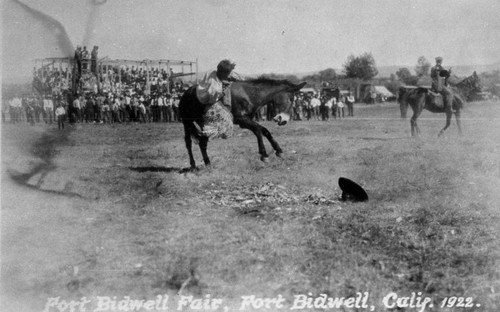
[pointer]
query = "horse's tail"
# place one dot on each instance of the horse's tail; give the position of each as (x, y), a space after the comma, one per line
(403, 103)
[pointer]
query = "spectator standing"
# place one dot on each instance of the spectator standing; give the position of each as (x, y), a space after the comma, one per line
(308, 107)
(155, 108)
(142, 111)
(315, 104)
(175, 107)
(168, 109)
(89, 110)
(48, 107)
(161, 108)
(341, 106)
(297, 107)
(16, 109)
(106, 111)
(83, 105)
(328, 107)
(93, 60)
(115, 110)
(323, 109)
(98, 102)
(123, 109)
(60, 115)
(135, 109)
(350, 105)
(30, 110)
(334, 107)
(38, 108)
(85, 58)
(128, 107)
(77, 107)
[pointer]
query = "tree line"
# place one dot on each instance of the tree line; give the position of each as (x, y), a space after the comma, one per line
(362, 68)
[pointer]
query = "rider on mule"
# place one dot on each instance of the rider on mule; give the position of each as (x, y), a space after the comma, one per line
(213, 92)
(438, 84)
(212, 88)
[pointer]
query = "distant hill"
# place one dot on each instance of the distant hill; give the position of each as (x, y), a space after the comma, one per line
(459, 70)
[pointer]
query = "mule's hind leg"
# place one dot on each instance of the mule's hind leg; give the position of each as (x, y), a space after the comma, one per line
(188, 140)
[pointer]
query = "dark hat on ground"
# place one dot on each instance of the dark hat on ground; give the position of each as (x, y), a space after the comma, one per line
(351, 191)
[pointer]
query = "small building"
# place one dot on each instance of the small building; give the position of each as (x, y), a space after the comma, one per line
(308, 91)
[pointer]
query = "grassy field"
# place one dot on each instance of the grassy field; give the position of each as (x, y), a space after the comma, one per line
(102, 211)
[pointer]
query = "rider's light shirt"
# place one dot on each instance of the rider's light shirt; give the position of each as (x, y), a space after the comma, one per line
(209, 89)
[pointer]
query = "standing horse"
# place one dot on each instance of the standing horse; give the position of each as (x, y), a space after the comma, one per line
(420, 99)
(247, 97)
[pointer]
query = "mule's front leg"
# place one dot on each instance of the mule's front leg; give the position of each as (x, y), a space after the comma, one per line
(270, 138)
(188, 141)
(245, 123)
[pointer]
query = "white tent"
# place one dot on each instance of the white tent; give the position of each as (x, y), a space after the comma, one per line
(308, 90)
(383, 91)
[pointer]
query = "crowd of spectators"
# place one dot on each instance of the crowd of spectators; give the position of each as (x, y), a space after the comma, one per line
(126, 108)
(93, 108)
(124, 94)
(52, 80)
(307, 107)
(130, 107)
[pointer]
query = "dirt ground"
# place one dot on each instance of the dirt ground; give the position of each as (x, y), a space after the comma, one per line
(102, 210)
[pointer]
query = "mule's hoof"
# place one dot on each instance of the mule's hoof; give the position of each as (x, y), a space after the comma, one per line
(279, 154)
(264, 159)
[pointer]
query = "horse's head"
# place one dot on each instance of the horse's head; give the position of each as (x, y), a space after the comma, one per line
(470, 86)
(475, 83)
(283, 103)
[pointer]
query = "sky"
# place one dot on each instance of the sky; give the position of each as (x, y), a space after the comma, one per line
(278, 36)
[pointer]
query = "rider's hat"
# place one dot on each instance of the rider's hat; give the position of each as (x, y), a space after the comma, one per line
(439, 59)
(225, 67)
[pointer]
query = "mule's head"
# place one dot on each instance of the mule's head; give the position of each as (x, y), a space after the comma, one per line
(283, 102)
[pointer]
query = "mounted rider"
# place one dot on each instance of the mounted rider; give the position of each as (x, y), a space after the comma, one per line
(439, 86)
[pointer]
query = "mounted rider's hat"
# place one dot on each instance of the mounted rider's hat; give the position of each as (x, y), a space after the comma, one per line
(351, 191)
(225, 67)
(439, 59)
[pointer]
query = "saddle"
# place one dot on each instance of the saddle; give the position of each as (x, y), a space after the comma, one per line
(226, 99)
(436, 99)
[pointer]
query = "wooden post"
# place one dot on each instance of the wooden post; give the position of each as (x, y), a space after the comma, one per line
(67, 69)
(168, 77)
(148, 87)
(120, 78)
